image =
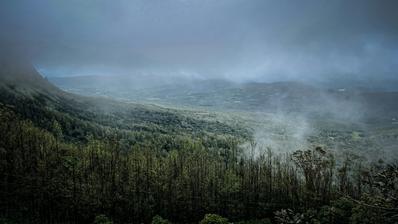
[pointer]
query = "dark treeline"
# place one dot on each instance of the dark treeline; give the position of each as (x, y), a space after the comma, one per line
(45, 179)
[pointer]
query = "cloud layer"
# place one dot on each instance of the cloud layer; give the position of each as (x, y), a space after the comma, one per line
(236, 39)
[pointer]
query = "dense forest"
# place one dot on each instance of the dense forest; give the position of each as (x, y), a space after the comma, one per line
(63, 162)
(198, 112)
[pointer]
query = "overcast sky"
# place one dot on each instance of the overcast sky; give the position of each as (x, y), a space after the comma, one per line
(237, 39)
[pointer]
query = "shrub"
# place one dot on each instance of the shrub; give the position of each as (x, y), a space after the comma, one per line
(255, 221)
(102, 219)
(214, 219)
(287, 216)
(6, 221)
(157, 219)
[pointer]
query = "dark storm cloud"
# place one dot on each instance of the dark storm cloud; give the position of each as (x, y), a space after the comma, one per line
(239, 39)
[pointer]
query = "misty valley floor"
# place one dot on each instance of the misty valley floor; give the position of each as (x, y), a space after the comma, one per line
(68, 158)
(285, 116)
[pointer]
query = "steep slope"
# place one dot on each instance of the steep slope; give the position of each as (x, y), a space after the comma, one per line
(21, 78)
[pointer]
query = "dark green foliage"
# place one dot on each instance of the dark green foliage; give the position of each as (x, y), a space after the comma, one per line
(6, 221)
(338, 212)
(157, 219)
(318, 167)
(213, 219)
(62, 165)
(102, 219)
(287, 216)
(255, 221)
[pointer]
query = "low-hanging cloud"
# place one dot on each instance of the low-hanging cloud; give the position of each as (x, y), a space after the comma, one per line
(235, 39)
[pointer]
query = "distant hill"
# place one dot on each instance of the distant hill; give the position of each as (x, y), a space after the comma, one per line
(291, 97)
(32, 97)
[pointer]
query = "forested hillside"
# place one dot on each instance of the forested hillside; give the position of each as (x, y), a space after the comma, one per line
(71, 159)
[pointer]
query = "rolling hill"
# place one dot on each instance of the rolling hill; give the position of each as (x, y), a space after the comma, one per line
(281, 115)
(33, 97)
(345, 102)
